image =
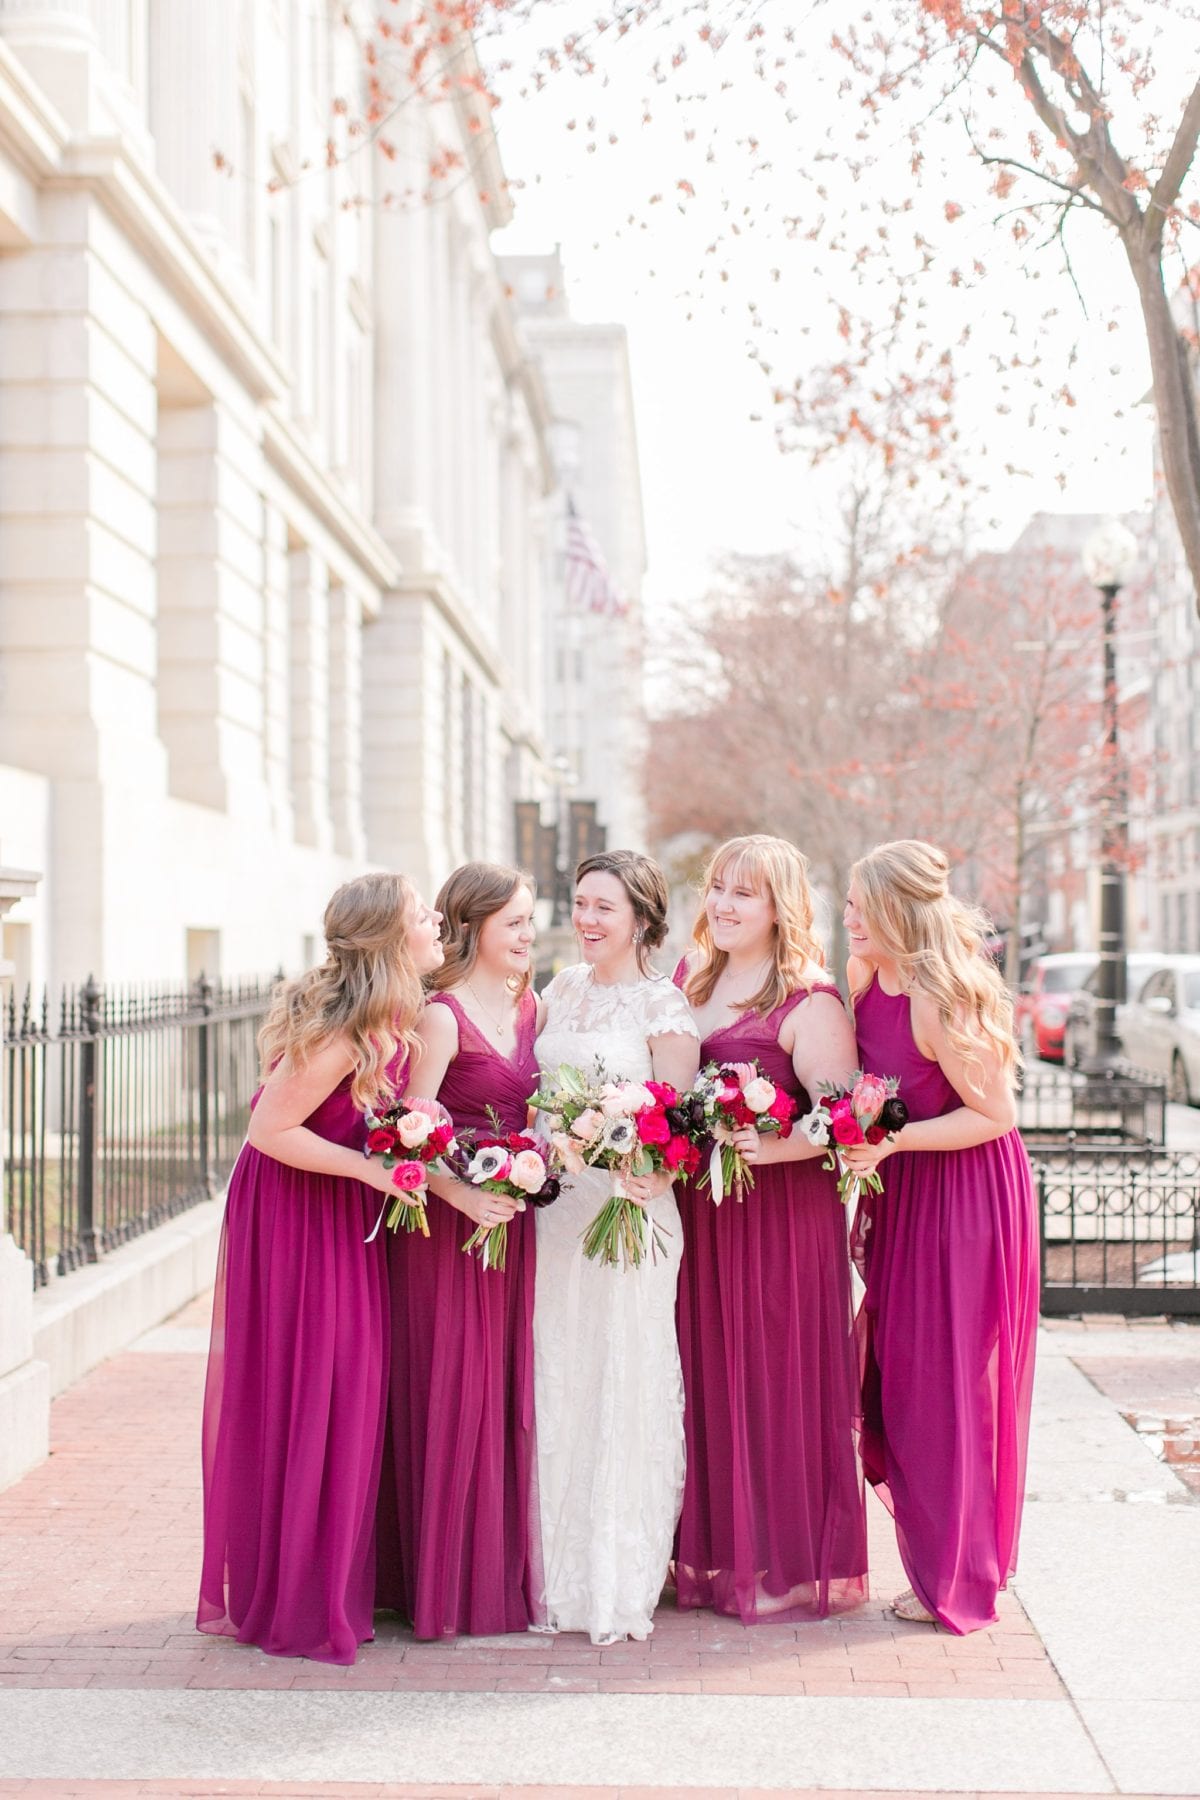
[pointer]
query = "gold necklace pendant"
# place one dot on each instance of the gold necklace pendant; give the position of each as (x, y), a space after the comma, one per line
(498, 1025)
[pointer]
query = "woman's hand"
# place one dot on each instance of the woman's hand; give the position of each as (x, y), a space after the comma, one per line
(864, 1159)
(757, 1148)
(486, 1209)
(643, 1189)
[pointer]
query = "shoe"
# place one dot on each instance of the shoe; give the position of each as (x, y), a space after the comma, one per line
(907, 1606)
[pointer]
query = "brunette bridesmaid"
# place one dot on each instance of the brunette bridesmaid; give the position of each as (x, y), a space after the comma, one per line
(773, 1521)
(456, 1551)
(950, 1247)
(297, 1372)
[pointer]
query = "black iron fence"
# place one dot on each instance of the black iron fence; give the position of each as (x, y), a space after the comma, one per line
(1120, 1229)
(1123, 1107)
(121, 1107)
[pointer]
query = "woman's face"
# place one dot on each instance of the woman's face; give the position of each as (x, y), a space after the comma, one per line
(604, 920)
(858, 935)
(424, 939)
(741, 918)
(506, 937)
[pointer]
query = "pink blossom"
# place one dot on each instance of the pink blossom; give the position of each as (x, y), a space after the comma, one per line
(528, 1171)
(867, 1097)
(408, 1176)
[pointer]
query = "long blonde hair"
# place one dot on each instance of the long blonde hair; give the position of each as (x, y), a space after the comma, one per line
(468, 899)
(773, 867)
(937, 944)
(366, 990)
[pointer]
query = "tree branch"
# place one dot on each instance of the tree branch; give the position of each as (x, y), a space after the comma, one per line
(1174, 170)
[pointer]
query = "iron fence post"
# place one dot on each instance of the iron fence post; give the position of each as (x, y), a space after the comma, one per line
(89, 1018)
(204, 998)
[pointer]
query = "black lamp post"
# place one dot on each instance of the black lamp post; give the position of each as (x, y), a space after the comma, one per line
(1109, 557)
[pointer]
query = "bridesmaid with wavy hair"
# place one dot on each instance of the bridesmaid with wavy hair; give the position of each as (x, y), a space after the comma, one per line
(950, 1246)
(297, 1371)
(456, 1551)
(773, 1522)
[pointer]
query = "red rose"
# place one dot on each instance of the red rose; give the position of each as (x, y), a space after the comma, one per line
(675, 1153)
(847, 1130)
(741, 1114)
(517, 1141)
(840, 1109)
(440, 1139)
(691, 1161)
(663, 1092)
(652, 1126)
(875, 1134)
(782, 1107)
(785, 1130)
(382, 1138)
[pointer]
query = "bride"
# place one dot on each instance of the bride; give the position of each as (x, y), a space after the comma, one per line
(607, 1382)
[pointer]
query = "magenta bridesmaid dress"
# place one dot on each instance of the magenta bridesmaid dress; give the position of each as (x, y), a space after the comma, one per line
(456, 1550)
(294, 1404)
(773, 1523)
(948, 1323)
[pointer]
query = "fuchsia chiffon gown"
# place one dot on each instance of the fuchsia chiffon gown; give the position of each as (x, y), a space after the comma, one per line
(949, 1322)
(294, 1404)
(456, 1553)
(773, 1522)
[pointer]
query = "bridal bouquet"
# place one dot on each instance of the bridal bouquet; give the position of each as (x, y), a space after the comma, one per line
(412, 1137)
(725, 1098)
(864, 1113)
(624, 1127)
(512, 1164)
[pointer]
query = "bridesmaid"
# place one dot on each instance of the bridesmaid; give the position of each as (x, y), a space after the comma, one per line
(773, 1522)
(951, 1266)
(297, 1372)
(455, 1548)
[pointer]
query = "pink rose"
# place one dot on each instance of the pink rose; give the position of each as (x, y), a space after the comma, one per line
(847, 1130)
(408, 1176)
(868, 1095)
(652, 1127)
(587, 1124)
(528, 1172)
(568, 1155)
(413, 1129)
(758, 1094)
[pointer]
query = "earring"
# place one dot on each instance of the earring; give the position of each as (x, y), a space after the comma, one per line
(637, 936)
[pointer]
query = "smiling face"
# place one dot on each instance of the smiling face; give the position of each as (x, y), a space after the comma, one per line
(506, 938)
(741, 917)
(423, 939)
(858, 934)
(604, 921)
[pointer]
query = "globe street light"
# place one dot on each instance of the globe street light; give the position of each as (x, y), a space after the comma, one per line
(1109, 558)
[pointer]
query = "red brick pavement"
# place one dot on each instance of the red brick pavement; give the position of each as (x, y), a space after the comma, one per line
(1160, 1399)
(102, 1546)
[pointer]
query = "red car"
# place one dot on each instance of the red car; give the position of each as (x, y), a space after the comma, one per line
(1044, 1000)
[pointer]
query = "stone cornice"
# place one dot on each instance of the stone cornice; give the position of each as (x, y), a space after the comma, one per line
(30, 128)
(288, 453)
(433, 585)
(139, 202)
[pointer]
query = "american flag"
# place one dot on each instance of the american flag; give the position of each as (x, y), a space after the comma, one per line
(589, 584)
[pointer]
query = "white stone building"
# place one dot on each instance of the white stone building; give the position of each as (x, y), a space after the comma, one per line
(595, 709)
(276, 492)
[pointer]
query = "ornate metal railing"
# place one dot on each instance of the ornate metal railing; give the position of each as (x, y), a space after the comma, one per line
(121, 1107)
(1120, 1229)
(1126, 1106)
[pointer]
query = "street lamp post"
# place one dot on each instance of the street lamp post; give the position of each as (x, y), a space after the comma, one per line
(1109, 557)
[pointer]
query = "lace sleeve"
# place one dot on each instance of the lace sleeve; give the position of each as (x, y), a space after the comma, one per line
(664, 1010)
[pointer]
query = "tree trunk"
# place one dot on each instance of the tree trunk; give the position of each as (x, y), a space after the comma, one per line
(1174, 400)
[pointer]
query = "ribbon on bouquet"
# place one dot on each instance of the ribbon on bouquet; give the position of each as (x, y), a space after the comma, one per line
(716, 1175)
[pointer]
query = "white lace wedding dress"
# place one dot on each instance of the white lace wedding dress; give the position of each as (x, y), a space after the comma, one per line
(607, 1380)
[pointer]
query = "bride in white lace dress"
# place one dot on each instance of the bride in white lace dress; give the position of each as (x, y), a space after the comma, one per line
(607, 1381)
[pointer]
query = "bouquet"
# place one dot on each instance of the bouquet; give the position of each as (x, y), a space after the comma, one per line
(512, 1164)
(864, 1113)
(625, 1127)
(727, 1097)
(412, 1137)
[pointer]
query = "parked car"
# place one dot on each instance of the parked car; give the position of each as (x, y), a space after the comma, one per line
(1160, 1030)
(1044, 1000)
(1079, 1033)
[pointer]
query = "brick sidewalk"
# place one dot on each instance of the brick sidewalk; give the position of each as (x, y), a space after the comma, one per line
(103, 1541)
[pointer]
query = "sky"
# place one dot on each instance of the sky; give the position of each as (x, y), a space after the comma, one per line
(714, 478)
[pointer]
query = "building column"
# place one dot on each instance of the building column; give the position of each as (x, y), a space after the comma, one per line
(308, 613)
(277, 677)
(201, 39)
(346, 722)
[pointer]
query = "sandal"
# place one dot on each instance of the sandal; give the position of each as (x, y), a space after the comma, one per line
(907, 1606)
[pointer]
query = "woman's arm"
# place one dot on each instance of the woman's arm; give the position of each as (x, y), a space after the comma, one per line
(277, 1125)
(987, 1112)
(819, 1038)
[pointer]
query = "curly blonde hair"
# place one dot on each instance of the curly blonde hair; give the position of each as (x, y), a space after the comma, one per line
(773, 867)
(366, 990)
(937, 944)
(468, 899)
